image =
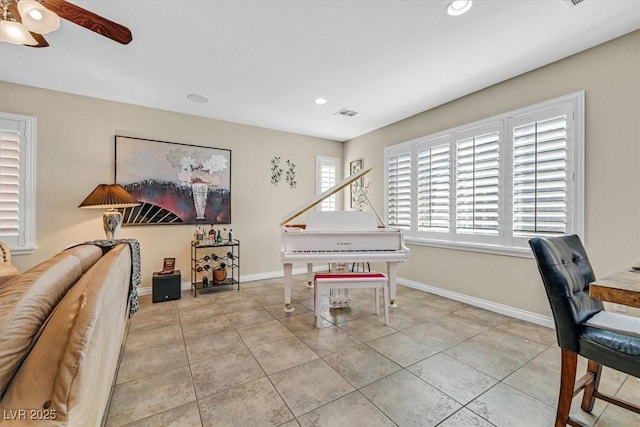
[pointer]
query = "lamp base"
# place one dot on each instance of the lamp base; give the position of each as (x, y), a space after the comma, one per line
(112, 221)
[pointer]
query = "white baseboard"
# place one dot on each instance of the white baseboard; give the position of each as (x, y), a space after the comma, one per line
(186, 286)
(506, 310)
(516, 313)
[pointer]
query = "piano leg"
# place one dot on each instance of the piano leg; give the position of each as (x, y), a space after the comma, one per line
(392, 274)
(309, 275)
(287, 288)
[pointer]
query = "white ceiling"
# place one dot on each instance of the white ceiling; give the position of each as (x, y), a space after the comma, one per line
(263, 63)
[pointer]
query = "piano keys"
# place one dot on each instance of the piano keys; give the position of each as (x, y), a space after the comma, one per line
(340, 237)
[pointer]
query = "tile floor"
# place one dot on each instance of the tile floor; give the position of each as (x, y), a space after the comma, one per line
(235, 358)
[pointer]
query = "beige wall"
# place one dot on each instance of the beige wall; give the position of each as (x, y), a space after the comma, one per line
(610, 76)
(75, 152)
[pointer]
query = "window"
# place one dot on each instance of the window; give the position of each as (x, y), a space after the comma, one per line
(477, 179)
(540, 182)
(399, 190)
(433, 187)
(491, 185)
(327, 177)
(17, 182)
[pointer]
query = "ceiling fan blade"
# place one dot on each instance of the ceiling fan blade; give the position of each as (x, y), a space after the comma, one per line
(89, 20)
(40, 39)
(13, 9)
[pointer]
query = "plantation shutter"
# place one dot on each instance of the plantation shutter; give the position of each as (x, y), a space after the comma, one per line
(433, 188)
(327, 180)
(478, 183)
(399, 190)
(540, 176)
(10, 186)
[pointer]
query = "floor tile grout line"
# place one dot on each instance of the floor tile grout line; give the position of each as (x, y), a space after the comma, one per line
(263, 371)
(193, 383)
(296, 332)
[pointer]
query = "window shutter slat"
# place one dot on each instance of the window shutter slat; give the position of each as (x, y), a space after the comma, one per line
(540, 177)
(9, 184)
(399, 191)
(328, 180)
(433, 188)
(478, 184)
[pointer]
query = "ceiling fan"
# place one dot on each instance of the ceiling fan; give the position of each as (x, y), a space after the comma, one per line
(25, 21)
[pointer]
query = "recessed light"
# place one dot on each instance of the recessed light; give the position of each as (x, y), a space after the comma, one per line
(458, 7)
(194, 97)
(320, 101)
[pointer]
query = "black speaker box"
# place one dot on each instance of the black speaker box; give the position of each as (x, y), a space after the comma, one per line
(166, 287)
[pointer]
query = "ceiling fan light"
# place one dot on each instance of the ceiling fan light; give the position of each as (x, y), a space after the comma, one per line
(459, 7)
(35, 14)
(37, 18)
(15, 33)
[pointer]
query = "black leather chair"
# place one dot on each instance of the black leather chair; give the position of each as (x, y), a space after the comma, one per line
(566, 273)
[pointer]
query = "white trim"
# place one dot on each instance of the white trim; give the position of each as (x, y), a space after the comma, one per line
(280, 273)
(578, 162)
(471, 247)
(186, 286)
(506, 310)
(27, 241)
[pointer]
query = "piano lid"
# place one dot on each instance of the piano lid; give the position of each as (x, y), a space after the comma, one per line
(320, 197)
(341, 221)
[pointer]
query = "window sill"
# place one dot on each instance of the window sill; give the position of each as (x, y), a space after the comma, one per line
(22, 250)
(472, 247)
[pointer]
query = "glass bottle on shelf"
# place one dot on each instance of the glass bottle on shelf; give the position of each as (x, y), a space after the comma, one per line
(219, 237)
(230, 236)
(195, 235)
(212, 234)
(205, 258)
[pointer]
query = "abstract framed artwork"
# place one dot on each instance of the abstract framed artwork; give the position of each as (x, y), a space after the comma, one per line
(355, 167)
(175, 183)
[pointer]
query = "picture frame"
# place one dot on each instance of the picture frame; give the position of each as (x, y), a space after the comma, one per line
(355, 166)
(175, 183)
(168, 266)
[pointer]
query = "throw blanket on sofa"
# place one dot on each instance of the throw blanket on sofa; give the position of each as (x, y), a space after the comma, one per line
(135, 267)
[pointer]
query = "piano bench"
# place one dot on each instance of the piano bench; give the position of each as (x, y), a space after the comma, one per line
(322, 281)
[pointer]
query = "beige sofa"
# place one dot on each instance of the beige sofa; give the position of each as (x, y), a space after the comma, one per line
(62, 326)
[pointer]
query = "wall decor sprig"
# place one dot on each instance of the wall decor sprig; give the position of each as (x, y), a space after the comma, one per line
(276, 170)
(291, 174)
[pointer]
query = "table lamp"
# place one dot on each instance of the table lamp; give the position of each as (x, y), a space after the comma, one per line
(110, 197)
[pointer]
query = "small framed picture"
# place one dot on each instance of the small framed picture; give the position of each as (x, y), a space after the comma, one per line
(168, 266)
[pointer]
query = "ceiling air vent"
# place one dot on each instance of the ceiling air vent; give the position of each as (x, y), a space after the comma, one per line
(346, 113)
(573, 2)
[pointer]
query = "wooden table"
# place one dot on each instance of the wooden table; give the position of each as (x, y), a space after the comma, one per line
(622, 287)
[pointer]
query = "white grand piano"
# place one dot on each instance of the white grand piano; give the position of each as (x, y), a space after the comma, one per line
(340, 237)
